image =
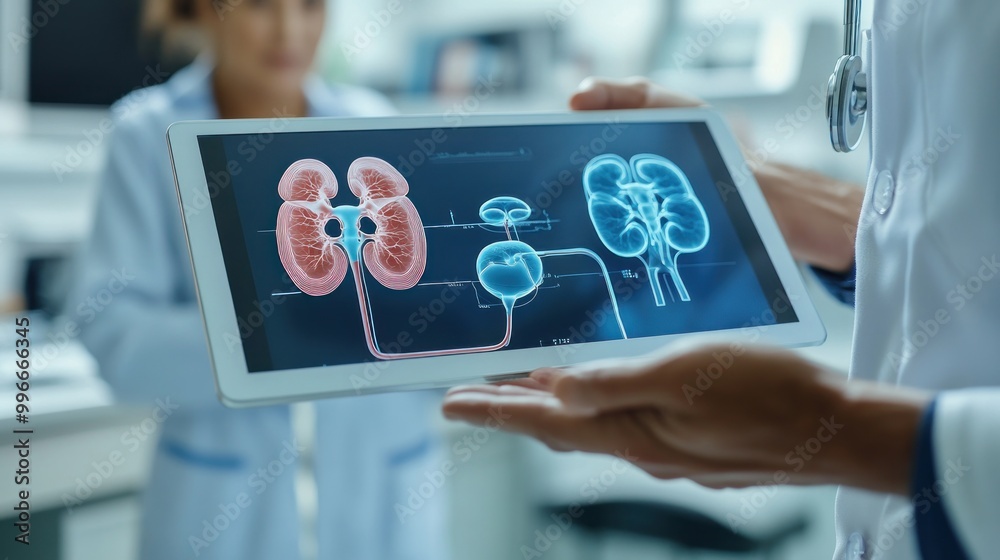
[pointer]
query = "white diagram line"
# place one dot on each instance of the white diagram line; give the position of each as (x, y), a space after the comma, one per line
(481, 224)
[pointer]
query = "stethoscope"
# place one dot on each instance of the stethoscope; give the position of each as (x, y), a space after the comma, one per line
(847, 93)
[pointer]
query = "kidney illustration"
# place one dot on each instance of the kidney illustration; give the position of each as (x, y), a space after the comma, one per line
(395, 254)
(398, 252)
(314, 261)
(646, 208)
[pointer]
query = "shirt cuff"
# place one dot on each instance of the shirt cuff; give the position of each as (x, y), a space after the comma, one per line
(841, 285)
(935, 535)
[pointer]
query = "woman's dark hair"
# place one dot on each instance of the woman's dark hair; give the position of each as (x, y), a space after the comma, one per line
(171, 23)
(183, 9)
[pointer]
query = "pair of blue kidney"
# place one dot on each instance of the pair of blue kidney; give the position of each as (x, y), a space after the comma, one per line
(646, 208)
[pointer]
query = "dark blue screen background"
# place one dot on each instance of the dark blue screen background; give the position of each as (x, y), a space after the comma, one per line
(731, 281)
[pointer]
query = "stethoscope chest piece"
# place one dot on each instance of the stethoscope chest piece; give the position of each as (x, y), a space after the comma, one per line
(847, 94)
(847, 103)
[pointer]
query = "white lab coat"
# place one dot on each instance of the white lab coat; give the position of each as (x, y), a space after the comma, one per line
(935, 117)
(150, 345)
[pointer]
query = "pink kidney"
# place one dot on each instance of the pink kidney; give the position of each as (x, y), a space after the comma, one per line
(398, 255)
(395, 254)
(315, 262)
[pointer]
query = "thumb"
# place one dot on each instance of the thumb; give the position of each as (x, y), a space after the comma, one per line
(605, 386)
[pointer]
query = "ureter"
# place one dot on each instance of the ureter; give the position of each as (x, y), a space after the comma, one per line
(604, 271)
(371, 337)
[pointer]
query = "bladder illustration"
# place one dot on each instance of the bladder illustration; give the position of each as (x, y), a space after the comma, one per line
(646, 208)
(511, 269)
(505, 211)
(395, 254)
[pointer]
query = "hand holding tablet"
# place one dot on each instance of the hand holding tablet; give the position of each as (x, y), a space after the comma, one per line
(475, 252)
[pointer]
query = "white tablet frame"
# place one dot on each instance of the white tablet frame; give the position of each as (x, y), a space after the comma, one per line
(238, 388)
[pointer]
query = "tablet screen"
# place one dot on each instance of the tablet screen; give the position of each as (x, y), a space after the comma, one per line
(351, 246)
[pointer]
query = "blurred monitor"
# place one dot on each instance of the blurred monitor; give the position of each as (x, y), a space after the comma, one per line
(73, 52)
(86, 52)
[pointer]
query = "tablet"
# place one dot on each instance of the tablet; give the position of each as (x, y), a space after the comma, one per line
(338, 257)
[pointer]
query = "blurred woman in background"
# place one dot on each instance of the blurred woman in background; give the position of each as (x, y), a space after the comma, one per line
(254, 61)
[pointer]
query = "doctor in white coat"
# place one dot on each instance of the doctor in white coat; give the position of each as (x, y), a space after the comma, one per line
(914, 436)
(223, 480)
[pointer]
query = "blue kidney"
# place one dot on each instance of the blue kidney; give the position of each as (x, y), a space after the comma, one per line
(630, 202)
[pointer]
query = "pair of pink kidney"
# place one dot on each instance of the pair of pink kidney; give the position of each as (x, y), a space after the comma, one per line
(395, 254)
